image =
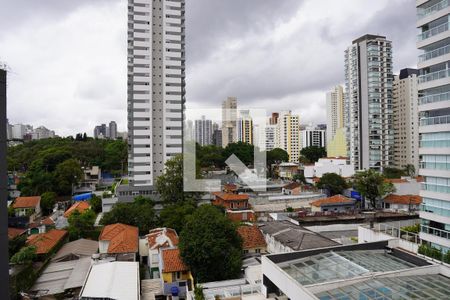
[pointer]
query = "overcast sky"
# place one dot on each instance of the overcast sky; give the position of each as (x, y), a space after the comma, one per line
(67, 58)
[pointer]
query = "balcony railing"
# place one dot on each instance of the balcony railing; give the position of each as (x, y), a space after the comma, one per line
(435, 210)
(434, 98)
(422, 13)
(434, 75)
(432, 32)
(435, 165)
(435, 120)
(435, 53)
(434, 231)
(433, 187)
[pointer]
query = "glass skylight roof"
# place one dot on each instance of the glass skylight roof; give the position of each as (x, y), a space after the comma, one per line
(431, 287)
(341, 265)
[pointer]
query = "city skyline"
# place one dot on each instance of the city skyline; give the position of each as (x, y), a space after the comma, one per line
(98, 82)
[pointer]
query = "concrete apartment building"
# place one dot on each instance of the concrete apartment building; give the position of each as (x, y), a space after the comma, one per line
(336, 143)
(288, 135)
(368, 102)
(312, 136)
(406, 119)
(112, 130)
(245, 127)
(203, 131)
(434, 121)
(229, 118)
(156, 80)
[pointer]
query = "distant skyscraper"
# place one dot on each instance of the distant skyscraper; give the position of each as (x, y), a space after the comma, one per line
(335, 121)
(112, 130)
(406, 119)
(273, 120)
(18, 131)
(101, 131)
(229, 118)
(311, 136)
(245, 127)
(368, 102)
(434, 123)
(203, 131)
(270, 136)
(156, 72)
(217, 138)
(288, 135)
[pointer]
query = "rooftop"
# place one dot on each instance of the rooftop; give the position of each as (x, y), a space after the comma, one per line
(251, 237)
(292, 185)
(230, 196)
(15, 232)
(76, 249)
(45, 242)
(26, 202)
(403, 199)
(162, 237)
(122, 238)
(171, 261)
(334, 200)
(80, 206)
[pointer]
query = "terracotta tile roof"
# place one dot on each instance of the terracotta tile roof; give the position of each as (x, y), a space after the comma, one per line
(15, 232)
(230, 197)
(251, 236)
(81, 206)
(403, 199)
(48, 221)
(172, 261)
(162, 237)
(396, 180)
(26, 202)
(45, 242)
(292, 185)
(230, 187)
(336, 199)
(122, 238)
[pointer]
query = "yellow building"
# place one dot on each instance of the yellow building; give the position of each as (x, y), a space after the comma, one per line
(337, 147)
(175, 273)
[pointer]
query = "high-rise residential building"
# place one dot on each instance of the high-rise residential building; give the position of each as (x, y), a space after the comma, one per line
(217, 137)
(112, 129)
(288, 135)
(335, 112)
(245, 127)
(19, 131)
(273, 120)
(368, 102)
(203, 131)
(229, 120)
(101, 131)
(156, 73)
(312, 136)
(270, 136)
(406, 119)
(434, 121)
(42, 132)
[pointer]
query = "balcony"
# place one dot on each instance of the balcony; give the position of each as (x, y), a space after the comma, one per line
(435, 120)
(435, 165)
(436, 232)
(434, 75)
(422, 13)
(434, 98)
(435, 210)
(434, 53)
(432, 32)
(433, 187)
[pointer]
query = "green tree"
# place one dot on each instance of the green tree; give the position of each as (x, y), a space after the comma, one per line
(67, 174)
(139, 213)
(210, 156)
(299, 178)
(15, 244)
(243, 151)
(24, 256)
(313, 153)
(372, 186)
(390, 172)
(175, 215)
(410, 170)
(96, 204)
(48, 200)
(332, 182)
(81, 225)
(115, 155)
(276, 156)
(210, 245)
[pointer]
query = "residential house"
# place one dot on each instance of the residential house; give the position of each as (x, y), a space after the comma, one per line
(336, 203)
(15, 232)
(76, 250)
(46, 243)
(286, 170)
(28, 206)
(336, 165)
(119, 240)
(293, 188)
(406, 203)
(252, 239)
(80, 206)
(230, 188)
(406, 185)
(175, 274)
(230, 200)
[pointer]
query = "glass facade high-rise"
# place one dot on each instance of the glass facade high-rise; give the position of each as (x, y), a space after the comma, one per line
(434, 120)
(368, 102)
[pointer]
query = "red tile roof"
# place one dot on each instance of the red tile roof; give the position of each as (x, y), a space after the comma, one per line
(122, 238)
(80, 206)
(26, 202)
(251, 236)
(45, 242)
(48, 221)
(162, 237)
(292, 185)
(336, 199)
(230, 197)
(15, 232)
(396, 180)
(230, 187)
(172, 261)
(403, 199)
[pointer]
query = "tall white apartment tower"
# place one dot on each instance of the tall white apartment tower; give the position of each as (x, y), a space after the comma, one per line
(335, 111)
(406, 119)
(434, 120)
(368, 102)
(288, 135)
(229, 121)
(156, 72)
(203, 131)
(245, 127)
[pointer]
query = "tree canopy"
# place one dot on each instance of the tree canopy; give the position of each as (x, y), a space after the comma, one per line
(96, 204)
(24, 256)
(81, 225)
(210, 245)
(372, 186)
(313, 153)
(276, 156)
(332, 182)
(48, 200)
(175, 215)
